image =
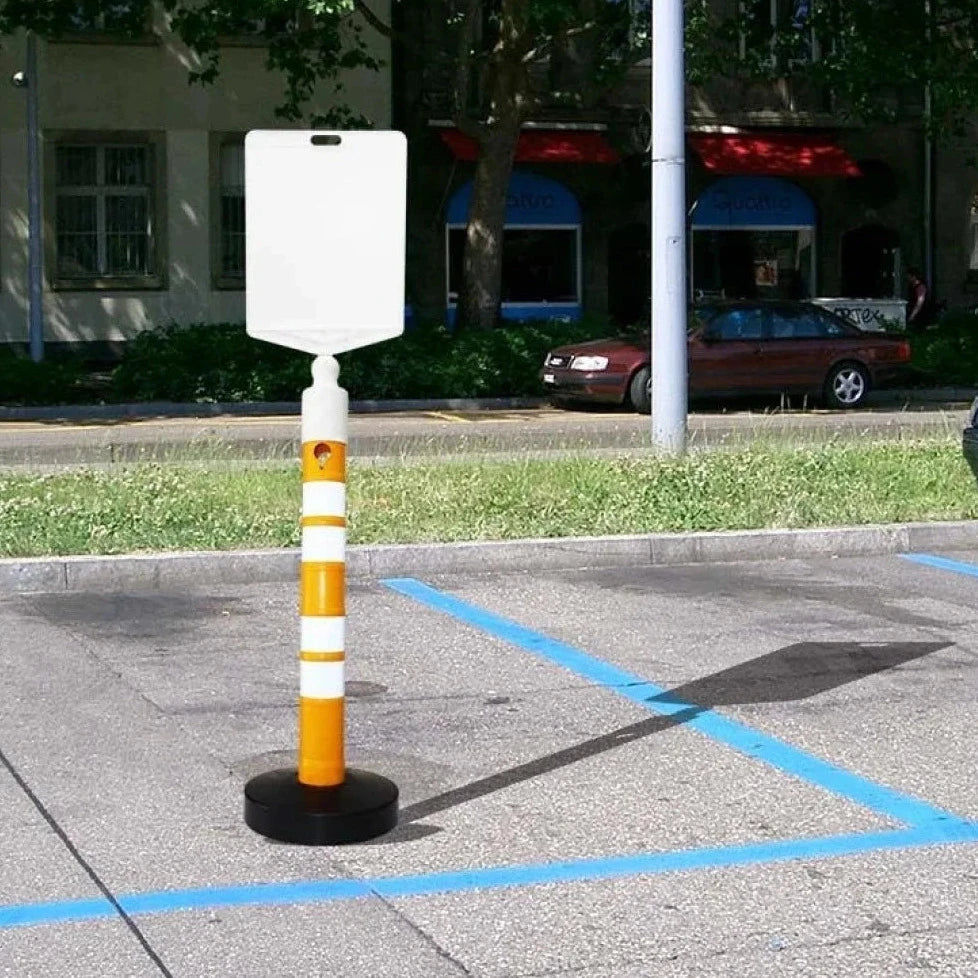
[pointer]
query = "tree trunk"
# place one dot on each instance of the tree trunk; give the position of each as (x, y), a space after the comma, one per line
(507, 99)
(482, 262)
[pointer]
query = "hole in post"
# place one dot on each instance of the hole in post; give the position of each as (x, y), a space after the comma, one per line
(326, 140)
(322, 452)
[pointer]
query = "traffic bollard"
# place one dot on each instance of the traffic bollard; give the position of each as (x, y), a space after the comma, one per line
(321, 801)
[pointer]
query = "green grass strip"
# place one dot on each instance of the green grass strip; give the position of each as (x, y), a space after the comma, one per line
(150, 507)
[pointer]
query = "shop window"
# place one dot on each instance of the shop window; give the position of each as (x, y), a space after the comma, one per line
(752, 263)
(540, 265)
(105, 202)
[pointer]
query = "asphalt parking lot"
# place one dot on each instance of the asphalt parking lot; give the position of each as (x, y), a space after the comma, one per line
(725, 770)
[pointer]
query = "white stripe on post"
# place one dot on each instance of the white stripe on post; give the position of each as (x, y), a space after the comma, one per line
(324, 544)
(322, 634)
(321, 680)
(323, 499)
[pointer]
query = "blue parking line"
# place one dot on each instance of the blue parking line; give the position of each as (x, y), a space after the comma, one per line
(790, 760)
(491, 878)
(942, 563)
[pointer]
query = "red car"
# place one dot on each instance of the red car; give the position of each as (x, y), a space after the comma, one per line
(738, 348)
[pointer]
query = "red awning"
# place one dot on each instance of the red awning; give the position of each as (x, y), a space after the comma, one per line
(543, 146)
(773, 154)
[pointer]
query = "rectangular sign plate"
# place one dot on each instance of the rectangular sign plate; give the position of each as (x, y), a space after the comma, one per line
(325, 236)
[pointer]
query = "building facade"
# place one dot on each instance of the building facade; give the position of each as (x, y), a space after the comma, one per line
(785, 199)
(142, 178)
(143, 206)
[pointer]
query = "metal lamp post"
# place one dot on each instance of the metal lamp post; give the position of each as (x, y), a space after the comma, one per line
(669, 368)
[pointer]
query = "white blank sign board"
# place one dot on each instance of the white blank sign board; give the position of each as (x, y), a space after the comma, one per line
(325, 218)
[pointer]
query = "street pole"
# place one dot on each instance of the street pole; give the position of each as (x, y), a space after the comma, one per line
(35, 315)
(928, 187)
(668, 229)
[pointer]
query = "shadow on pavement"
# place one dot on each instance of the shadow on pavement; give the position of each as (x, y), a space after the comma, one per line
(795, 672)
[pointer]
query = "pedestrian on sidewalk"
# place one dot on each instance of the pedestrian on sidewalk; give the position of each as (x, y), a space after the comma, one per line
(920, 303)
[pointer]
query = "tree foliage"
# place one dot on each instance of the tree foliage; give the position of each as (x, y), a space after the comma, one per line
(874, 58)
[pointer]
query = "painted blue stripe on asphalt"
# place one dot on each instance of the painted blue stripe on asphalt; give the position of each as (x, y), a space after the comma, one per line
(495, 878)
(876, 797)
(59, 912)
(942, 563)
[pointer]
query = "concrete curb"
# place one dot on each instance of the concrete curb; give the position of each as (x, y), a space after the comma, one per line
(174, 570)
(251, 409)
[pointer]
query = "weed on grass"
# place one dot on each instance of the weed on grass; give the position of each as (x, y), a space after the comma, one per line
(149, 507)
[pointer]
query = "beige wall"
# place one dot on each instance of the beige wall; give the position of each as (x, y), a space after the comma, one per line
(143, 87)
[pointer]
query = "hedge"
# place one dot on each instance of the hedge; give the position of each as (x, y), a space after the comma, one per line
(222, 363)
(946, 355)
(63, 380)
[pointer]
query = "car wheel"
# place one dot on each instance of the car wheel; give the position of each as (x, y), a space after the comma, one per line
(846, 386)
(640, 391)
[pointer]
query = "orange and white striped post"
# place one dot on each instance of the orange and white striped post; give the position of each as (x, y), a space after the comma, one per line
(322, 578)
(322, 802)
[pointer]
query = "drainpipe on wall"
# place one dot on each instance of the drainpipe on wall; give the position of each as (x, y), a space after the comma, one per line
(35, 315)
(928, 166)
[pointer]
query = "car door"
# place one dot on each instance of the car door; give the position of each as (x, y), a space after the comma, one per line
(799, 347)
(724, 355)
(794, 354)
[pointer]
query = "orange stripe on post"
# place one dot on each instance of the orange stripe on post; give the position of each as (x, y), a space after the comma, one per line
(323, 521)
(321, 755)
(322, 656)
(323, 461)
(322, 589)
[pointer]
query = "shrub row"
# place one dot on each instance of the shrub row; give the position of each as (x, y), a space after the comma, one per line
(946, 355)
(54, 381)
(220, 362)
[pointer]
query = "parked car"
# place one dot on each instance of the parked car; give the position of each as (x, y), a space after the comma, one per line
(969, 439)
(738, 348)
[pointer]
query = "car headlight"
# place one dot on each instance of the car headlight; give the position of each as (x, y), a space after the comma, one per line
(589, 363)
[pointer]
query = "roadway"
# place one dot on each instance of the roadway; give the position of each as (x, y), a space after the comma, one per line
(440, 432)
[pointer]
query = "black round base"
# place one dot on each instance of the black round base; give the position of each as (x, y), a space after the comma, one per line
(279, 807)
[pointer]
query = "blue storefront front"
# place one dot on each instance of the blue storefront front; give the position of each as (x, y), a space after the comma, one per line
(541, 249)
(753, 237)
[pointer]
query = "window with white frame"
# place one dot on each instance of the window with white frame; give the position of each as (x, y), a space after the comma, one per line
(232, 212)
(280, 21)
(115, 17)
(104, 211)
(639, 24)
(779, 30)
